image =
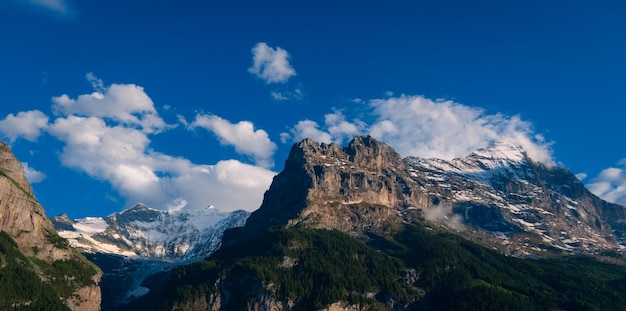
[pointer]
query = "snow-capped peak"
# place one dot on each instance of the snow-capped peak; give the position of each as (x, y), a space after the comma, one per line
(499, 154)
(146, 232)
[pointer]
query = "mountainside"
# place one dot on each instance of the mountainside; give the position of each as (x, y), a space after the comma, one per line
(72, 276)
(417, 268)
(141, 231)
(497, 196)
(360, 228)
(131, 245)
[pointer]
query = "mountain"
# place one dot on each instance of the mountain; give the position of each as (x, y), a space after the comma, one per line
(133, 244)
(309, 246)
(497, 196)
(141, 231)
(50, 271)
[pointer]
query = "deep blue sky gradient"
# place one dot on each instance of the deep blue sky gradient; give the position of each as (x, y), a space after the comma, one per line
(559, 64)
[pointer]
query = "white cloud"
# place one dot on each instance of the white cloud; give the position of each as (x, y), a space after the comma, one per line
(96, 83)
(32, 175)
(26, 124)
(335, 129)
(581, 176)
(610, 184)
(59, 6)
(418, 126)
(121, 156)
(278, 96)
(242, 136)
(306, 129)
(271, 65)
(341, 129)
(106, 135)
(124, 103)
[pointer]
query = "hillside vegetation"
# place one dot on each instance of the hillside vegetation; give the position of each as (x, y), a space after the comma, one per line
(416, 269)
(20, 286)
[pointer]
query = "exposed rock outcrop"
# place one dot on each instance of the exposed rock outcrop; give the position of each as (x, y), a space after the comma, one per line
(24, 219)
(497, 196)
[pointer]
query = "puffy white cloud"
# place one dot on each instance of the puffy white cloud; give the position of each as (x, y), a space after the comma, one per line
(26, 124)
(610, 184)
(241, 135)
(32, 175)
(335, 129)
(124, 103)
(340, 129)
(271, 65)
(106, 135)
(121, 156)
(418, 126)
(306, 129)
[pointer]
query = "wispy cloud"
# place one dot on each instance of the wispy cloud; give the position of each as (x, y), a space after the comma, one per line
(610, 184)
(241, 135)
(418, 126)
(32, 175)
(61, 7)
(106, 134)
(271, 64)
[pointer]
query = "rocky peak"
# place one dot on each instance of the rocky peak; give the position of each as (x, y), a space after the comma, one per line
(138, 212)
(353, 189)
(24, 219)
(497, 193)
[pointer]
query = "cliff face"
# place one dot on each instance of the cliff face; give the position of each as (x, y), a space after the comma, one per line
(24, 219)
(497, 196)
(356, 189)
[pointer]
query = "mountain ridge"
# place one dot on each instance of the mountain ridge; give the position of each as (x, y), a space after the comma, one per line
(456, 226)
(141, 231)
(367, 187)
(24, 220)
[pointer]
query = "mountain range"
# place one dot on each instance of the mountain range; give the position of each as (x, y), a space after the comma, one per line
(504, 204)
(361, 228)
(133, 244)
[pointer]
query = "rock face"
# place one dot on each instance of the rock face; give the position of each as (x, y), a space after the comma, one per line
(144, 232)
(497, 196)
(356, 189)
(131, 245)
(24, 219)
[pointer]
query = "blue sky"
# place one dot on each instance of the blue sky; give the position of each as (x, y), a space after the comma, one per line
(197, 103)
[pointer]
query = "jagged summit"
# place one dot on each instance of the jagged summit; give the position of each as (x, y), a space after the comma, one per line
(499, 154)
(496, 195)
(141, 231)
(25, 221)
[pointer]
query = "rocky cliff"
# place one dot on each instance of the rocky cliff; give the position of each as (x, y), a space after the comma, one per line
(414, 210)
(24, 219)
(497, 196)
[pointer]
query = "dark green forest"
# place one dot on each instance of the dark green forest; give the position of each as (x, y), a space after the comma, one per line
(315, 268)
(20, 286)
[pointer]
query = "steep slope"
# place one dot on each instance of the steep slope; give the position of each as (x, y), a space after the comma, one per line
(418, 268)
(522, 206)
(25, 221)
(415, 210)
(141, 231)
(360, 189)
(133, 244)
(497, 196)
